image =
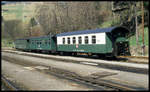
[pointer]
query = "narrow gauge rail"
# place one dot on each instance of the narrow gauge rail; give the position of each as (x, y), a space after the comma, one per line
(110, 66)
(8, 84)
(87, 80)
(134, 59)
(125, 57)
(138, 57)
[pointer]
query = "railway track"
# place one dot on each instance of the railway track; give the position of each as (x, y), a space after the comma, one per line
(7, 84)
(138, 57)
(135, 59)
(132, 59)
(103, 65)
(87, 80)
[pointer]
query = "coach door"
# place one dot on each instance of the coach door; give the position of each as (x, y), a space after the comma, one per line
(53, 44)
(28, 44)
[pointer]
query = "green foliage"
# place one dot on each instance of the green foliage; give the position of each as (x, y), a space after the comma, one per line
(132, 39)
(146, 5)
(109, 23)
(18, 11)
(7, 43)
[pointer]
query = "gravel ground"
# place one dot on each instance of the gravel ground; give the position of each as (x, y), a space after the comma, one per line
(34, 80)
(145, 66)
(134, 79)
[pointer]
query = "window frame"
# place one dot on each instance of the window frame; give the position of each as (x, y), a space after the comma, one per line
(73, 40)
(68, 40)
(49, 41)
(94, 39)
(80, 40)
(86, 39)
(63, 41)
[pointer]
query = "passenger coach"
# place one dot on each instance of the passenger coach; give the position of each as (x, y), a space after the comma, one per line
(21, 44)
(102, 42)
(106, 41)
(43, 43)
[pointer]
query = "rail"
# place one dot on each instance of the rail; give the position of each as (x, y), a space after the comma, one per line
(138, 57)
(8, 84)
(75, 77)
(85, 79)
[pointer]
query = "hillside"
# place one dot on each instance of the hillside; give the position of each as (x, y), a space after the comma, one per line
(20, 11)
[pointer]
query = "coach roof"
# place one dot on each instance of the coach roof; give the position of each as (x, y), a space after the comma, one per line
(110, 29)
(35, 37)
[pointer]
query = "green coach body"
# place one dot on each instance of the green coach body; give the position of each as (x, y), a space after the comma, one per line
(42, 43)
(87, 48)
(21, 44)
(100, 41)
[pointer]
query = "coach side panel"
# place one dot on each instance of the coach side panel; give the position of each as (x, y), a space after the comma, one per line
(99, 46)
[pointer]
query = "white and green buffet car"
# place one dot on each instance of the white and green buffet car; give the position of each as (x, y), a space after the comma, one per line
(106, 41)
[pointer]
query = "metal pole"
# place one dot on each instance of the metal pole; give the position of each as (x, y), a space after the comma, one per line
(143, 47)
(113, 12)
(137, 38)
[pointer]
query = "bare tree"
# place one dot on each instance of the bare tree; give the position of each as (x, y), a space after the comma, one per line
(13, 29)
(57, 17)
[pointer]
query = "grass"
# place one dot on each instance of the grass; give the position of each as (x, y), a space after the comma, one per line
(132, 39)
(18, 11)
(108, 23)
(7, 43)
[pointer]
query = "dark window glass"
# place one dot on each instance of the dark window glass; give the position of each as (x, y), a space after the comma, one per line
(68, 40)
(74, 40)
(63, 40)
(86, 40)
(93, 39)
(80, 40)
(37, 42)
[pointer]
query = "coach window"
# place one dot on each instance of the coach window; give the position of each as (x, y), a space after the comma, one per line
(63, 40)
(93, 39)
(74, 40)
(68, 40)
(32, 41)
(80, 40)
(86, 40)
(39, 41)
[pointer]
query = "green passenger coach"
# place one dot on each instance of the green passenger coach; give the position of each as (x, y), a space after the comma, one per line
(44, 43)
(102, 42)
(105, 41)
(21, 44)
